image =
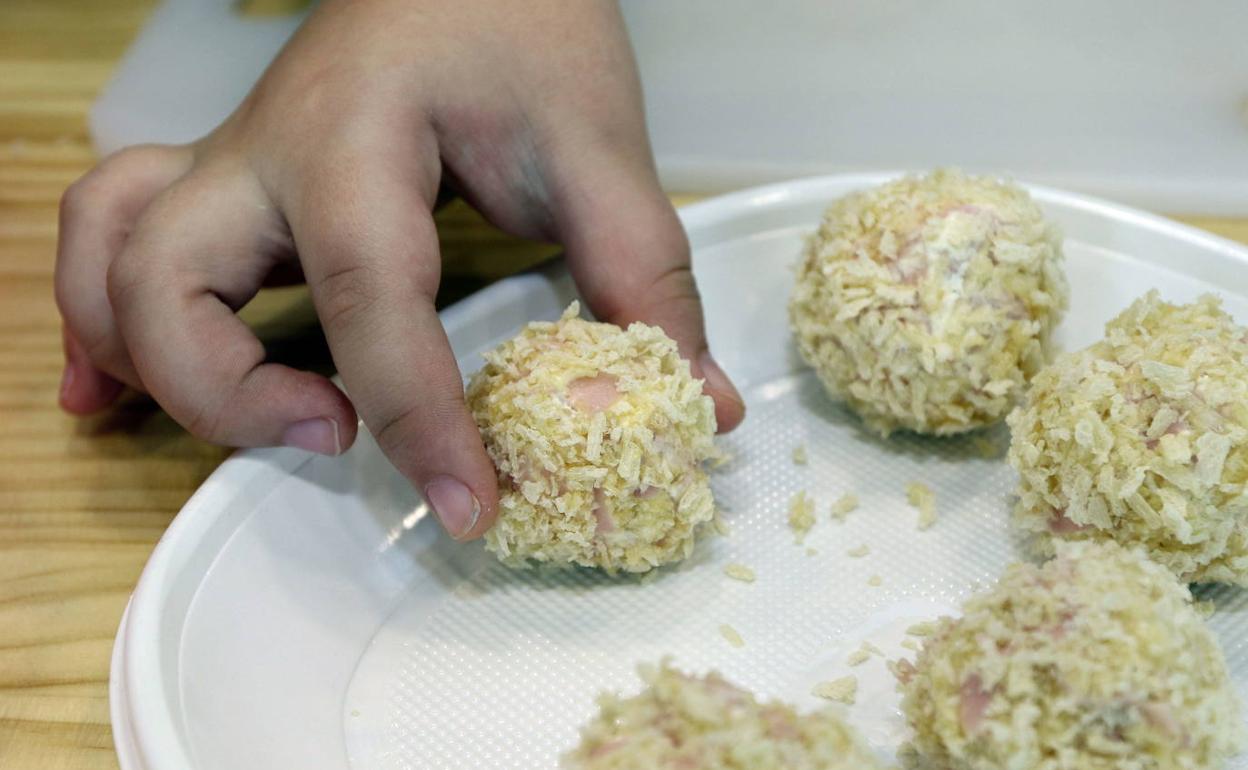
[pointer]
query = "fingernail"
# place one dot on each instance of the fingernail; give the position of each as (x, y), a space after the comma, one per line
(715, 379)
(454, 504)
(319, 435)
(67, 381)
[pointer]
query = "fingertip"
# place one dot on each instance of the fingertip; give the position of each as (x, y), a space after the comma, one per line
(465, 512)
(324, 420)
(321, 435)
(487, 496)
(84, 389)
(82, 399)
(729, 406)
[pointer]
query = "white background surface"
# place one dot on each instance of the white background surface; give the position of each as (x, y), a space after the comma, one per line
(303, 612)
(1146, 102)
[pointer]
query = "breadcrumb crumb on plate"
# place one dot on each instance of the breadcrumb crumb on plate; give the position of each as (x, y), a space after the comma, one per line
(801, 516)
(844, 505)
(739, 572)
(923, 499)
(731, 635)
(858, 657)
(842, 690)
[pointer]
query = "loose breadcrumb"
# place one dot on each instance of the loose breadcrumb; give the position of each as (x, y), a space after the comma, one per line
(842, 690)
(927, 303)
(721, 527)
(875, 581)
(811, 552)
(801, 516)
(799, 454)
(926, 628)
(901, 669)
(844, 505)
(911, 644)
(739, 572)
(859, 656)
(923, 499)
(1143, 438)
(730, 634)
(599, 435)
(1096, 657)
(707, 723)
(859, 552)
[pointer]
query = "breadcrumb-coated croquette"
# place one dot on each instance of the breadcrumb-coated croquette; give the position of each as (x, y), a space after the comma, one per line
(1143, 438)
(683, 722)
(1095, 661)
(927, 303)
(599, 435)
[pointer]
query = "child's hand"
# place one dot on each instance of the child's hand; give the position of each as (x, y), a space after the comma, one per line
(530, 110)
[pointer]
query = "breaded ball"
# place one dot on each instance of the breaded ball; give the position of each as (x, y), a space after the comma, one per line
(1095, 661)
(681, 722)
(927, 303)
(599, 436)
(1143, 438)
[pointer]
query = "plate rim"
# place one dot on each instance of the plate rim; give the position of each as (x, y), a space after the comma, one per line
(145, 735)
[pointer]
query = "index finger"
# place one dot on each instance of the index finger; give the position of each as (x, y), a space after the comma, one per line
(370, 254)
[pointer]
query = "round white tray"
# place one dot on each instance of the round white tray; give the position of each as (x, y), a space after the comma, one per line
(302, 612)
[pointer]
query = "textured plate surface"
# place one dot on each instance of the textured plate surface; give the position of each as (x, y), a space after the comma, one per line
(302, 613)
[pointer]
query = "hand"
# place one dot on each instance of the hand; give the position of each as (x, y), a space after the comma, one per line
(329, 170)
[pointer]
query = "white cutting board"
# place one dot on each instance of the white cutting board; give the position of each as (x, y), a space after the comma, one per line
(1143, 101)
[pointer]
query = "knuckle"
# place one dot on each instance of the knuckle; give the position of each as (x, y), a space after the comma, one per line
(405, 432)
(346, 293)
(81, 196)
(396, 432)
(204, 422)
(125, 274)
(675, 284)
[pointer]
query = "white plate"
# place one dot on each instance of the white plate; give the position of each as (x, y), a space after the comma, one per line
(301, 612)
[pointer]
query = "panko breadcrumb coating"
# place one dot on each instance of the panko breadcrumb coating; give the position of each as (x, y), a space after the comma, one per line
(598, 435)
(731, 635)
(927, 303)
(844, 505)
(1143, 438)
(682, 722)
(1095, 661)
(801, 516)
(923, 499)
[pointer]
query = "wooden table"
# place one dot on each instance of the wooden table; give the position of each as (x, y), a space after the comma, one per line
(82, 502)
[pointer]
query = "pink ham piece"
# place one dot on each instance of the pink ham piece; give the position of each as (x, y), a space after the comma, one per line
(974, 704)
(1161, 717)
(602, 514)
(593, 394)
(1060, 525)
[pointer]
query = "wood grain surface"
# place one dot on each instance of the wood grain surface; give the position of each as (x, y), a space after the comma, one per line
(82, 502)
